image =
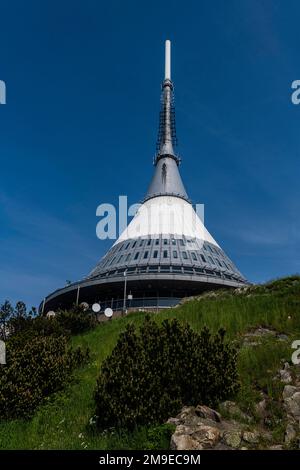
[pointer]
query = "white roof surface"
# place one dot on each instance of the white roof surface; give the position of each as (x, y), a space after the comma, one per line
(166, 215)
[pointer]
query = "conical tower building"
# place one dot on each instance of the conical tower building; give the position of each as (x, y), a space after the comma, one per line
(166, 252)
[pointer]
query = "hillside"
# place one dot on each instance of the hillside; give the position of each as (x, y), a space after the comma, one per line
(261, 320)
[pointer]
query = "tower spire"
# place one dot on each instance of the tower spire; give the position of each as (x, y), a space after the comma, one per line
(166, 180)
(168, 60)
(167, 131)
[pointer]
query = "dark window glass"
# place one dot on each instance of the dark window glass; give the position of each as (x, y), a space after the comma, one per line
(194, 257)
(136, 255)
(175, 254)
(211, 260)
(149, 242)
(133, 245)
(173, 241)
(153, 268)
(203, 258)
(127, 246)
(184, 255)
(165, 253)
(146, 254)
(157, 241)
(176, 269)
(155, 253)
(164, 268)
(141, 243)
(166, 241)
(181, 242)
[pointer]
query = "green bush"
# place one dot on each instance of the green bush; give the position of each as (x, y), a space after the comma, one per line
(75, 320)
(36, 367)
(152, 373)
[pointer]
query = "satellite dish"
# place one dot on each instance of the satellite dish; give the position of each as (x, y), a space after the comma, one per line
(96, 307)
(51, 314)
(108, 312)
(84, 305)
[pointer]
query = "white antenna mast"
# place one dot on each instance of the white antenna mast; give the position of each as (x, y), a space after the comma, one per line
(168, 60)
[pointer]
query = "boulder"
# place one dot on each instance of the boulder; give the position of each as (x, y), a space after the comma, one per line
(285, 374)
(205, 412)
(231, 408)
(290, 434)
(288, 391)
(194, 437)
(292, 405)
(232, 438)
(251, 437)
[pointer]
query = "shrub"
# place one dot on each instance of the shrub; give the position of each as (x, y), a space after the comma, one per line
(35, 368)
(75, 320)
(152, 373)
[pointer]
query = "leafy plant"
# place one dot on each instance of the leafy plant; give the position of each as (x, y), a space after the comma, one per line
(152, 373)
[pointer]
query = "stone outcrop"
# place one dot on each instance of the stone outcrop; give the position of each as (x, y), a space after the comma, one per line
(200, 427)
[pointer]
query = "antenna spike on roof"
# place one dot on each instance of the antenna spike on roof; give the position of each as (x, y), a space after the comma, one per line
(168, 60)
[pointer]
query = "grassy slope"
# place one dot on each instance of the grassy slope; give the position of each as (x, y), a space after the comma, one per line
(62, 423)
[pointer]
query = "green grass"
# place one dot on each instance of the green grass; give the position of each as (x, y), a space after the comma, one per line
(63, 421)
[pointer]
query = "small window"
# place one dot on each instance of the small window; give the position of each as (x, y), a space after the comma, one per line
(128, 257)
(166, 241)
(194, 257)
(218, 262)
(141, 243)
(175, 254)
(146, 254)
(181, 242)
(173, 241)
(136, 255)
(211, 260)
(204, 246)
(149, 242)
(133, 245)
(120, 259)
(127, 246)
(155, 253)
(165, 253)
(157, 241)
(203, 258)
(184, 255)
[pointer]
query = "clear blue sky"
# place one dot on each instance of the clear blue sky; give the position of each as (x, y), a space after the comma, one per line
(80, 125)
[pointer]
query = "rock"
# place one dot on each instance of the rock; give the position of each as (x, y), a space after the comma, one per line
(292, 405)
(221, 446)
(232, 438)
(276, 447)
(194, 437)
(202, 427)
(285, 374)
(290, 434)
(234, 410)
(251, 437)
(288, 391)
(205, 412)
(261, 408)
